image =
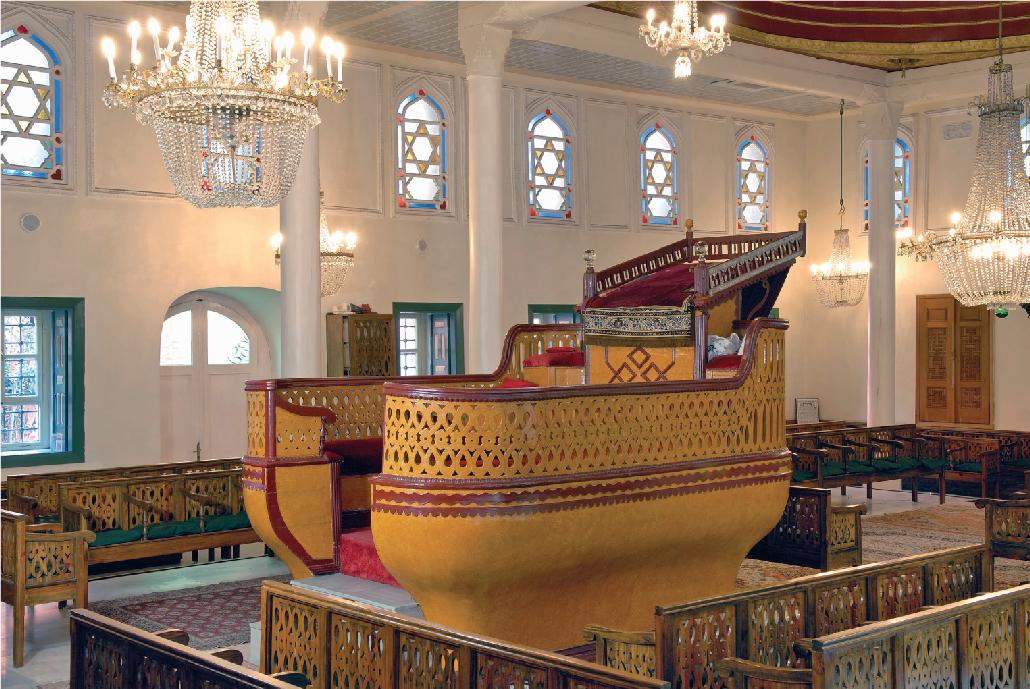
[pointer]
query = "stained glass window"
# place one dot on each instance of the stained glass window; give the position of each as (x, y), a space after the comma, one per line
(177, 340)
(659, 196)
(421, 153)
(752, 185)
(31, 134)
(24, 370)
(550, 167)
(1024, 129)
(227, 342)
(408, 338)
(902, 185)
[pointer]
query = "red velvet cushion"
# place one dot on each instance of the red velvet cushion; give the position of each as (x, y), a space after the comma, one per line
(511, 383)
(667, 287)
(570, 358)
(726, 361)
(359, 455)
(560, 350)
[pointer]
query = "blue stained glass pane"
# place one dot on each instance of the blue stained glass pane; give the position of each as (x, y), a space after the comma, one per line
(48, 49)
(25, 173)
(57, 105)
(59, 155)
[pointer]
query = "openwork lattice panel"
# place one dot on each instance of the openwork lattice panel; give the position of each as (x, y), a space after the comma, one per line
(49, 562)
(931, 660)
(774, 624)
(360, 658)
(638, 659)
(843, 530)
(954, 581)
(426, 664)
(257, 417)
(159, 494)
(501, 673)
(990, 661)
(103, 502)
(103, 662)
(840, 606)
(801, 523)
(865, 667)
(153, 673)
(297, 639)
(702, 639)
(899, 593)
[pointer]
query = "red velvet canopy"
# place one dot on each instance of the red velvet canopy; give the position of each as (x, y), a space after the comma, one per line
(666, 287)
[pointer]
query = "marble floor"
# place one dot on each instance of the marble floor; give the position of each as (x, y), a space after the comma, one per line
(47, 650)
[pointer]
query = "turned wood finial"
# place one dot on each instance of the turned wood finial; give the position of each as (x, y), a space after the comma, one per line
(802, 215)
(589, 256)
(701, 251)
(690, 224)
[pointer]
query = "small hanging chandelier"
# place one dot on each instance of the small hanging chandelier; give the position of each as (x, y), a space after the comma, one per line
(841, 281)
(230, 120)
(336, 252)
(985, 255)
(686, 35)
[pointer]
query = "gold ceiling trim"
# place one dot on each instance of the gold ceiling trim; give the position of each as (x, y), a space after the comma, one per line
(895, 10)
(742, 8)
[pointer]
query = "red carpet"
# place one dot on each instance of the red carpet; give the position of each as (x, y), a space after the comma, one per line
(358, 557)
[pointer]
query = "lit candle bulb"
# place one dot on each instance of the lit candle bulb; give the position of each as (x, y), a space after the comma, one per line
(223, 27)
(351, 240)
(718, 22)
(307, 39)
(328, 48)
(956, 217)
(134, 33)
(288, 42)
(173, 37)
(136, 58)
(994, 216)
(278, 43)
(650, 16)
(107, 47)
(154, 29)
(268, 33)
(341, 51)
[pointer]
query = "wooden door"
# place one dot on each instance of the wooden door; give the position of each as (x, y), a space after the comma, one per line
(953, 361)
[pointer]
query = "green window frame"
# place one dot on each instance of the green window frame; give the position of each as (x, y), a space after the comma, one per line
(455, 315)
(70, 355)
(552, 310)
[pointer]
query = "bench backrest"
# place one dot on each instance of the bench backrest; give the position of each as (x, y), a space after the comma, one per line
(111, 502)
(43, 487)
(762, 624)
(340, 643)
(1007, 527)
(106, 654)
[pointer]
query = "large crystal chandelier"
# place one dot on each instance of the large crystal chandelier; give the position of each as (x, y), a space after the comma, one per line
(231, 106)
(841, 281)
(335, 249)
(686, 35)
(985, 255)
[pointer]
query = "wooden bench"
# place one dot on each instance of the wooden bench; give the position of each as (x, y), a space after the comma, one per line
(166, 514)
(976, 643)
(339, 643)
(813, 532)
(39, 564)
(36, 494)
(106, 654)
(1007, 527)
(969, 459)
(762, 625)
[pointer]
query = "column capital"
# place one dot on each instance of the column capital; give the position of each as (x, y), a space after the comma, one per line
(881, 118)
(485, 47)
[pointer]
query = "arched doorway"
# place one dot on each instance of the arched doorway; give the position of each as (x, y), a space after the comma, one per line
(210, 346)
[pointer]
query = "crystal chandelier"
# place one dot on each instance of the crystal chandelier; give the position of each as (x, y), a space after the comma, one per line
(230, 111)
(841, 281)
(985, 256)
(335, 249)
(686, 35)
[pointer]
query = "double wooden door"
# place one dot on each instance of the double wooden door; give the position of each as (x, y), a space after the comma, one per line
(953, 361)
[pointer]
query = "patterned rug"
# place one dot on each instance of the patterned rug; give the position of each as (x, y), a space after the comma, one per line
(215, 616)
(913, 532)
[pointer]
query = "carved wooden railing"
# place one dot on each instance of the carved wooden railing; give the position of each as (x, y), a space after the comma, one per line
(1008, 527)
(106, 654)
(981, 642)
(785, 248)
(339, 643)
(763, 624)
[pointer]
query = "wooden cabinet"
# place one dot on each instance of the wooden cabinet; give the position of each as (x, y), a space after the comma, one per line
(953, 361)
(360, 344)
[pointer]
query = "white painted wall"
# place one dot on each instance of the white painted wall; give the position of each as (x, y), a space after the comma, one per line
(120, 239)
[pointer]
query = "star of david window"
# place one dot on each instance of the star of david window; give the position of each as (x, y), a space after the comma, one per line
(550, 160)
(31, 133)
(752, 186)
(902, 186)
(421, 153)
(659, 198)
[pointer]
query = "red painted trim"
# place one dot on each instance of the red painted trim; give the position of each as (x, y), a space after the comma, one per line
(431, 483)
(270, 441)
(287, 461)
(507, 510)
(604, 390)
(334, 474)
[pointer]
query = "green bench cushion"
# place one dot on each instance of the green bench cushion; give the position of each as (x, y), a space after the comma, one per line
(798, 476)
(226, 522)
(968, 466)
(1021, 462)
(898, 464)
(934, 464)
(188, 527)
(116, 536)
(48, 519)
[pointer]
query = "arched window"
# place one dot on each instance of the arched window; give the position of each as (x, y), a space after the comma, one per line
(752, 185)
(421, 153)
(1024, 131)
(659, 188)
(902, 185)
(550, 160)
(30, 119)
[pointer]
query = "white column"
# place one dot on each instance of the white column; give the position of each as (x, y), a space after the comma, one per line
(881, 123)
(300, 275)
(485, 47)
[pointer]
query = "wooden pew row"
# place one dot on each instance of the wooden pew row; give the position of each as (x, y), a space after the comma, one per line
(340, 643)
(981, 642)
(1007, 527)
(813, 532)
(763, 624)
(37, 494)
(147, 516)
(106, 654)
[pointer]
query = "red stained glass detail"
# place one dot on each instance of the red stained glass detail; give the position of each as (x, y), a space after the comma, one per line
(547, 111)
(443, 124)
(643, 194)
(203, 154)
(401, 202)
(57, 72)
(421, 92)
(443, 205)
(257, 160)
(58, 139)
(568, 215)
(400, 119)
(205, 185)
(752, 137)
(22, 29)
(641, 148)
(675, 221)
(57, 174)
(739, 226)
(532, 212)
(657, 125)
(643, 219)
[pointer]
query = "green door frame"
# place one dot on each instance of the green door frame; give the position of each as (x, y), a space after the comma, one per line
(552, 308)
(456, 311)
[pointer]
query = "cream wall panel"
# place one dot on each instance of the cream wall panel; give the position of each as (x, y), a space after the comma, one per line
(349, 143)
(609, 185)
(951, 163)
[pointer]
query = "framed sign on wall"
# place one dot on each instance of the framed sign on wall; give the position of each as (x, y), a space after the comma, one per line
(806, 409)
